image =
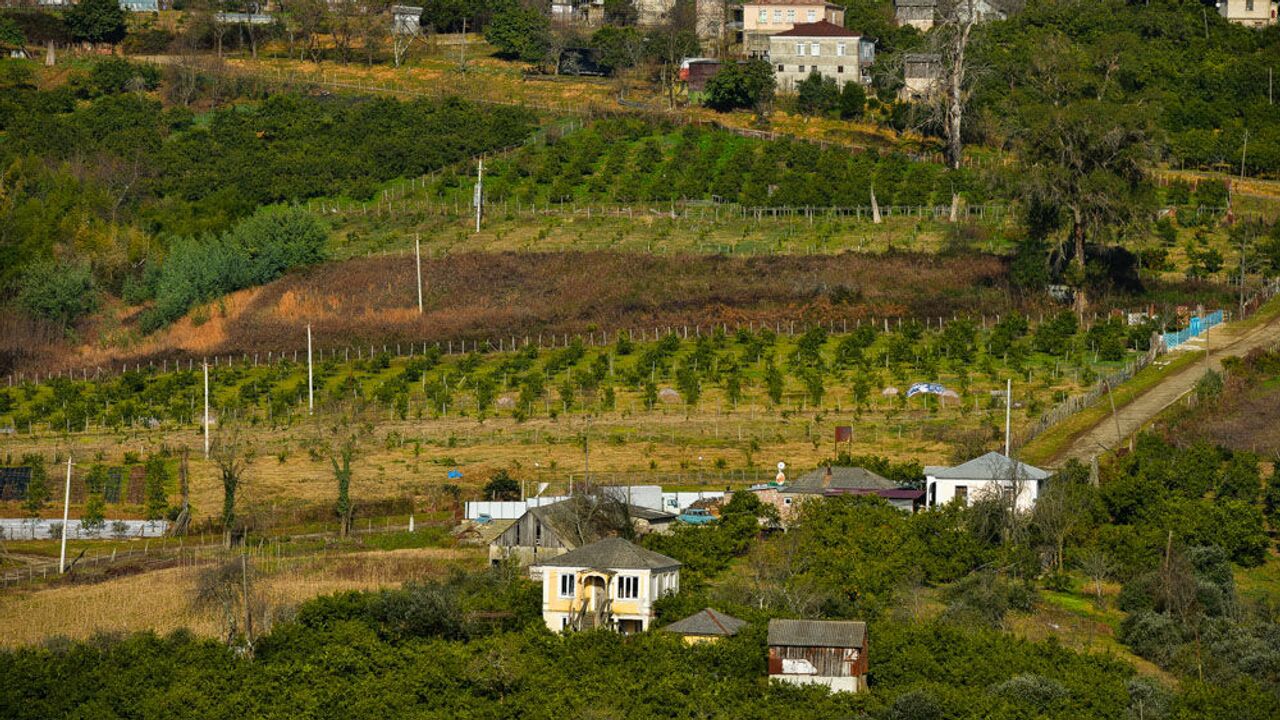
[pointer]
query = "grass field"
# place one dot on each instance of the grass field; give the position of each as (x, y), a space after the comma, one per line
(164, 600)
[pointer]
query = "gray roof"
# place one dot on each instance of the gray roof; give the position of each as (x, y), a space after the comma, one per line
(613, 553)
(707, 622)
(842, 478)
(818, 633)
(644, 513)
(992, 466)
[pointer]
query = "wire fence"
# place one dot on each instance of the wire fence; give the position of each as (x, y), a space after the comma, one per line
(506, 343)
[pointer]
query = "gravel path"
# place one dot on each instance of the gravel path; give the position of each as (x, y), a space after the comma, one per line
(1104, 436)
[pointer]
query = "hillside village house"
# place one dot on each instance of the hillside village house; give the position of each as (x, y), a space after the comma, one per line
(819, 652)
(991, 473)
(825, 47)
(762, 18)
(923, 14)
(1251, 13)
(705, 626)
(547, 531)
(920, 75)
(608, 584)
(831, 481)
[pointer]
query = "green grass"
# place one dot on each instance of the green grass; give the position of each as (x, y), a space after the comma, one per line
(1260, 584)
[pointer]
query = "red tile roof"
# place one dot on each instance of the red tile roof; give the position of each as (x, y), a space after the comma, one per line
(822, 28)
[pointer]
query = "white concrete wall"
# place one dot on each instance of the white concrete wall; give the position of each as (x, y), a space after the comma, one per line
(837, 684)
(940, 492)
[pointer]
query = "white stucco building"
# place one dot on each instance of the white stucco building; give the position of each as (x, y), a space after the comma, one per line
(1252, 13)
(991, 473)
(827, 48)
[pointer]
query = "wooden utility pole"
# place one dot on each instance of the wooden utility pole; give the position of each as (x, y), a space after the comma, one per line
(206, 409)
(478, 200)
(417, 252)
(1243, 152)
(311, 396)
(1008, 414)
(66, 505)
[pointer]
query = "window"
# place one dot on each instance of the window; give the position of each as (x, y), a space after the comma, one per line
(839, 49)
(777, 16)
(800, 50)
(567, 585)
(813, 49)
(811, 16)
(786, 501)
(839, 69)
(628, 587)
(564, 623)
(1248, 5)
(800, 68)
(779, 68)
(764, 15)
(791, 16)
(962, 494)
(537, 534)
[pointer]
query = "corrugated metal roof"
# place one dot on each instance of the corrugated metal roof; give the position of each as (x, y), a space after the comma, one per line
(992, 466)
(818, 633)
(707, 622)
(613, 553)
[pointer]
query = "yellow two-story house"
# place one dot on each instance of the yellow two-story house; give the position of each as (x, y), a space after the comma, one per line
(610, 584)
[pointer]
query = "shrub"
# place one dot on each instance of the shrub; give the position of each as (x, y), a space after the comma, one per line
(58, 293)
(256, 251)
(117, 75)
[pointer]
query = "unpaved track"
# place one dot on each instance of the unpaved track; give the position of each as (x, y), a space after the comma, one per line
(1223, 343)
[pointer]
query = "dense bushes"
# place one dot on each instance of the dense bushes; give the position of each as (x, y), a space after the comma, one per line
(147, 171)
(1200, 78)
(633, 160)
(58, 293)
(255, 251)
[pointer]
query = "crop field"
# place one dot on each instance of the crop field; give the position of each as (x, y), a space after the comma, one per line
(706, 410)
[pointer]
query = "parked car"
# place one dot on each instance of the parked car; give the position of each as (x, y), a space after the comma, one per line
(696, 516)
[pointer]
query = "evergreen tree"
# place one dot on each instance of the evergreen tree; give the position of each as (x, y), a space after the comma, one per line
(156, 479)
(96, 21)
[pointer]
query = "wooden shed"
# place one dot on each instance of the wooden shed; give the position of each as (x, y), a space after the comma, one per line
(819, 652)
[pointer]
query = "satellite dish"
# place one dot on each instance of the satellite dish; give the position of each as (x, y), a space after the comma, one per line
(781, 466)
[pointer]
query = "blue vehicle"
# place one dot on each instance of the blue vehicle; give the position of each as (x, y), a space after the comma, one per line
(696, 516)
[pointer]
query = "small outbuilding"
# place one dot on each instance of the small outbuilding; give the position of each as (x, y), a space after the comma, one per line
(706, 625)
(819, 652)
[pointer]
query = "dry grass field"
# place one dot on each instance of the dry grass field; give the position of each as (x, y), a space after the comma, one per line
(486, 296)
(162, 600)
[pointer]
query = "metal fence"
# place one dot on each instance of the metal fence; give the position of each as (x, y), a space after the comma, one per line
(1197, 326)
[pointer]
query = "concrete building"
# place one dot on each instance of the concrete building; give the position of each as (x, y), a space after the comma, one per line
(992, 473)
(819, 652)
(1250, 13)
(921, 73)
(762, 18)
(608, 584)
(828, 48)
(923, 14)
(548, 531)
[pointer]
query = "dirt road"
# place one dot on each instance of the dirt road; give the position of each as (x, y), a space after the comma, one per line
(1222, 342)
